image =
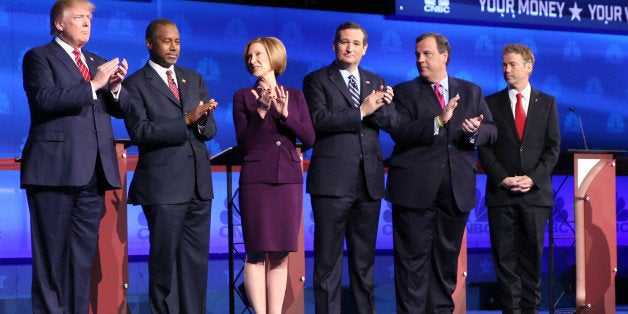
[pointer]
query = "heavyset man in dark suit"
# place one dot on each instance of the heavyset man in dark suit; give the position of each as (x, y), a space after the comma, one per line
(519, 191)
(172, 180)
(346, 174)
(431, 179)
(69, 159)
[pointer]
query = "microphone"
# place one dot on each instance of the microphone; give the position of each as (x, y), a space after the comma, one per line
(584, 138)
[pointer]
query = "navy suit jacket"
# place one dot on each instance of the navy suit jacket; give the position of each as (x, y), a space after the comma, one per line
(173, 157)
(342, 140)
(69, 129)
(419, 158)
(270, 143)
(535, 155)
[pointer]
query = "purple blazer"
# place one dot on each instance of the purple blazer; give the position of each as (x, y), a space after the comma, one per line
(269, 144)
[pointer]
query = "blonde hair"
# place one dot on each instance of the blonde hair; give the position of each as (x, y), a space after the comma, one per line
(276, 51)
(59, 8)
(526, 53)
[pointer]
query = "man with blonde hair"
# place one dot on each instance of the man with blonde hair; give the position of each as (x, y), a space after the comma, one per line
(69, 159)
(519, 193)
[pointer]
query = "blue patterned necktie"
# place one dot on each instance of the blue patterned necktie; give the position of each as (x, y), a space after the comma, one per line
(353, 90)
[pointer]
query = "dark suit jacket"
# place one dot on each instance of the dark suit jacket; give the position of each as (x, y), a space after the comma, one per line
(69, 129)
(342, 140)
(269, 143)
(419, 158)
(173, 157)
(535, 155)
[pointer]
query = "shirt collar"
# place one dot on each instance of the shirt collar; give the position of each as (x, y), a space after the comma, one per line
(66, 47)
(444, 83)
(345, 75)
(512, 93)
(161, 70)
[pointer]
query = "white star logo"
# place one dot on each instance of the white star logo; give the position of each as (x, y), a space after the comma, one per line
(575, 12)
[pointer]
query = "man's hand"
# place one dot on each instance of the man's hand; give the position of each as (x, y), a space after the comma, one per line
(520, 184)
(116, 79)
(376, 100)
(448, 111)
(200, 111)
(104, 73)
(471, 126)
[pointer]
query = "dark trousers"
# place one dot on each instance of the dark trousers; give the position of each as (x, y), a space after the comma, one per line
(354, 217)
(427, 244)
(517, 235)
(64, 235)
(178, 256)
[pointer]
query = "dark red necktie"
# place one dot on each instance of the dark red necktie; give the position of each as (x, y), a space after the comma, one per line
(81, 65)
(173, 87)
(439, 95)
(520, 116)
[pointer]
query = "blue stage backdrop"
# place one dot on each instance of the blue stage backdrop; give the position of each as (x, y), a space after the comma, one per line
(583, 70)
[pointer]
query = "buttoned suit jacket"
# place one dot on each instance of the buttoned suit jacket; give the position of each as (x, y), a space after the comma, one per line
(342, 140)
(535, 155)
(173, 157)
(69, 129)
(419, 158)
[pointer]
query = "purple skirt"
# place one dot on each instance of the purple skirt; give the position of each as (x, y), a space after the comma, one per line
(271, 214)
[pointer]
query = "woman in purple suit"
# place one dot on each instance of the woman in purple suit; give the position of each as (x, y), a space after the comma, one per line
(268, 119)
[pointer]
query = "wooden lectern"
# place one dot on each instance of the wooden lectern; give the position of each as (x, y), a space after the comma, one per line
(110, 269)
(460, 294)
(294, 301)
(596, 238)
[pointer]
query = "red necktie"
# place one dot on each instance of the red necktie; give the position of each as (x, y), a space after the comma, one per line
(81, 65)
(520, 116)
(173, 87)
(439, 95)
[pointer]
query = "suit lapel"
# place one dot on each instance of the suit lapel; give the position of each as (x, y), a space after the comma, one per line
(534, 105)
(505, 110)
(334, 76)
(159, 84)
(66, 60)
(366, 85)
(427, 92)
(91, 63)
(182, 83)
(534, 108)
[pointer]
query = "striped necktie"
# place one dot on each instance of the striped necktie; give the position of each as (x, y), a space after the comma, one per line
(353, 90)
(82, 67)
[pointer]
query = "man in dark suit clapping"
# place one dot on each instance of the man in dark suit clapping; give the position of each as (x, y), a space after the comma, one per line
(69, 159)
(170, 120)
(431, 179)
(519, 192)
(348, 106)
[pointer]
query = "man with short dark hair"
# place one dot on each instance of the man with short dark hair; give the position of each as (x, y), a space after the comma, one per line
(170, 120)
(348, 106)
(431, 178)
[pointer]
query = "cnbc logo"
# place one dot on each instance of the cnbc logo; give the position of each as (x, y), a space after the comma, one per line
(436, 6)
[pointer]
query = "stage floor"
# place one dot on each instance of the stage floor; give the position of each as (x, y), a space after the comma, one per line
(15, 276)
